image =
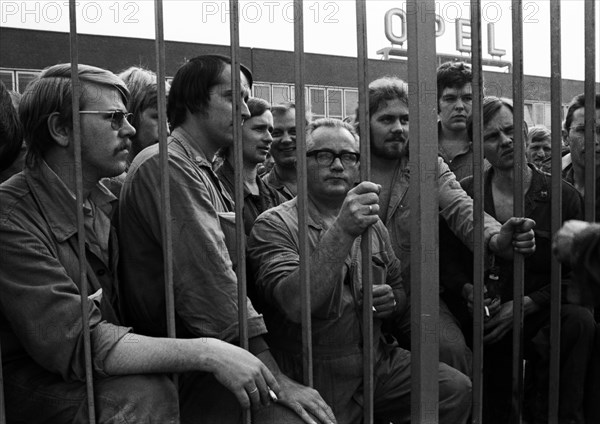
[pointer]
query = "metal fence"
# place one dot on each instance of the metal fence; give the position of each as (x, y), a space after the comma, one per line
(422, 65)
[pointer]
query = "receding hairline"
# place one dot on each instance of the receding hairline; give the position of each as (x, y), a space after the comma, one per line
(310, 143)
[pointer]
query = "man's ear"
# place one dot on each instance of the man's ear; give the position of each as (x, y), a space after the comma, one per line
(59, 132)
(565, 136)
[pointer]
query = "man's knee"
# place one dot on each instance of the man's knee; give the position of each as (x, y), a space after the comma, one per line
(276, 414)
(137, 398)
(453, 348)
(578, 325)
(455, 393)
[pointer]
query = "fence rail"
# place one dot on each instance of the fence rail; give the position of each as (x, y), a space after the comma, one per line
(422, 63)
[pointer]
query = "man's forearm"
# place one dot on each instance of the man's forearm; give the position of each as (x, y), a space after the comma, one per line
(136, 354)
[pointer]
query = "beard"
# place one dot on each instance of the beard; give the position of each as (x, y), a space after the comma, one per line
(390, 151)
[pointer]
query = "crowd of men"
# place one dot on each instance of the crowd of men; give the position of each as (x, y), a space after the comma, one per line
(133, 359)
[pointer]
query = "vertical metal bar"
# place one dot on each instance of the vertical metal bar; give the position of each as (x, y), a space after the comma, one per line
(307, 361)
(366, 253)
(238, 173)
(423, 191)
(238, 167)
(165, 207)
(166, 229)
(478, 247)
(2, 406)
(518, 146)
(556, 212)
(83, 289)
(590, 109)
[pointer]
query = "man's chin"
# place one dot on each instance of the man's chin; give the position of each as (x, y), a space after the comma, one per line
(389, 153)
(289, 162)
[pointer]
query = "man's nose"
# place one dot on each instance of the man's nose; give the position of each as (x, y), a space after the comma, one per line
(397, 126)
(459, 104)
(286, 137)
(505, 138)
(245, 111)
(336, 164)
(127, 130)
(268, 138)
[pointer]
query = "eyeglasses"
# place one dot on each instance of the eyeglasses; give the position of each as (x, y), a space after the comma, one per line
(116, 116)
(325, 157)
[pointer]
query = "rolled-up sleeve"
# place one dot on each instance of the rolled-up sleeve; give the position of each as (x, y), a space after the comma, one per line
(273, 251)
(41, 305)
(456, 207)
(273, 254)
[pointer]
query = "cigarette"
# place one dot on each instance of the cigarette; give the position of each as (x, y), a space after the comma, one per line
(273, 395)
(374, 310)
(487, 311)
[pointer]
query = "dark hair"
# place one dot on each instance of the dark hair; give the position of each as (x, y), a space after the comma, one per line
(491, 106)
(453, 75)
(11, 133)
(190, 88)
(51, 92)
(385, 89)
(257, 106)
(577, 103)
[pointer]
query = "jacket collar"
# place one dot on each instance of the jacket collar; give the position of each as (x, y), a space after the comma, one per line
(227, 172)
(185, 140)
(57, 202)
(538, 192)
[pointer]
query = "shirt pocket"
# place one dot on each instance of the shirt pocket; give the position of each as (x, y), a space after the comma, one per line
(227, 222)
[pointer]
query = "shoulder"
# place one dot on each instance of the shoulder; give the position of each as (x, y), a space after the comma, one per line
(15, 198)
(467, 184)
(570, 193)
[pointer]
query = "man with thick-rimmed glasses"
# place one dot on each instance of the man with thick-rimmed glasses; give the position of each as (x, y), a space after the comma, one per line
(338, 215)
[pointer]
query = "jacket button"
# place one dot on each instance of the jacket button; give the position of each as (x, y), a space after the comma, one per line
(101, 272)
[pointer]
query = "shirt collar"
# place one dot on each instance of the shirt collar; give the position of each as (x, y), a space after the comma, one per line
(227, 172)
(57, 201)
(186, 141)
(313, 217)
(539, 189)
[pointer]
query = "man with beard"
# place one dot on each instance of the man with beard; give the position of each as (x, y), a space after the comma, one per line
(388, 112)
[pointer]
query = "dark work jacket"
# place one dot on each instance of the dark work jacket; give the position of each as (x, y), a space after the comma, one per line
(538, 208)
(254, 205)
(40, 300)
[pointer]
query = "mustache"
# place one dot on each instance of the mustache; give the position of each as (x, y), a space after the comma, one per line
(399, 137)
